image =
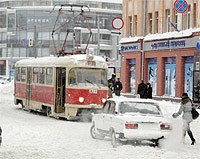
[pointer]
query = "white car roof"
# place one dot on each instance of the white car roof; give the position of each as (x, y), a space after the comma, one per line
(122, 99)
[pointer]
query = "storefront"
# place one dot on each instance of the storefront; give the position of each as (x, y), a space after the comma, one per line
(167, 64)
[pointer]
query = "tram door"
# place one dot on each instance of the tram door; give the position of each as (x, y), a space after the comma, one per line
(28, 85)
(60, 90)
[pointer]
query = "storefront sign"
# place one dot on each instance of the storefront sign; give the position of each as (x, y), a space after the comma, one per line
(171, 44)
(177, 43)
(130, 47)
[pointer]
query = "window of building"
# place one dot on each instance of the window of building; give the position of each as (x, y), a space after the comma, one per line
(135, 25)
(156, 22)
(176, 19)
(3, 19)
(130, 25)
(150, 23)
(168, 25)
(188, 16)
(195, 15)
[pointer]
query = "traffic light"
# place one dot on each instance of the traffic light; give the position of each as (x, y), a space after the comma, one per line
(30, 42)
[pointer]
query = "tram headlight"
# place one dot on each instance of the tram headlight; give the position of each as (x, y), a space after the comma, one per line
(103, 100)
(81, 99)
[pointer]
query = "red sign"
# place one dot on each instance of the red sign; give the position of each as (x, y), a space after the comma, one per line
(117, 23)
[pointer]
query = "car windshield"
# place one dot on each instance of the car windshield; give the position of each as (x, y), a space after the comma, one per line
(139, 107)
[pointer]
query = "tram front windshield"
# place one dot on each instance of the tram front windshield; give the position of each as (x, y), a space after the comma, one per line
(88, 77)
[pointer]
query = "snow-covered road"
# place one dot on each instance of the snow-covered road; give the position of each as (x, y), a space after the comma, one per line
(32, 136)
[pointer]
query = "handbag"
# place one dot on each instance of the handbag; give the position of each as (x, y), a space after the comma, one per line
(195, 113)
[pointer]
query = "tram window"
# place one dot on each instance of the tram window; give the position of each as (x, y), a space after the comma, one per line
(35, 75)
(49, 76)
(23, 74)
(18, 74)
(41, 75)
(72, 77)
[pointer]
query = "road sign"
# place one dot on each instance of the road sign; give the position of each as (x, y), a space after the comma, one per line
(180, 6)
(117, 23)
(24, 42)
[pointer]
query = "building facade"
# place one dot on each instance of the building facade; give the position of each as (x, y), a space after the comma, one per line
(26, 29)
(159, 45)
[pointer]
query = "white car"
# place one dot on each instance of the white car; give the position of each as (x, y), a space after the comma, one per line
(127, 119)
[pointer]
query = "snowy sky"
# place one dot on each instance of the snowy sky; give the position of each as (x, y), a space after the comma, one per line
(33, 136)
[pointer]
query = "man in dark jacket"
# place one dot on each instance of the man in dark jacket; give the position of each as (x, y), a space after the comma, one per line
(112, 80)
(118, 87)
(142, 89)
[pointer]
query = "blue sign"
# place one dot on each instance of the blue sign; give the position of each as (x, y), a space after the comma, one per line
(180, 6)
(198, 45)
(168, 44)
(129, 48)
(24, 42)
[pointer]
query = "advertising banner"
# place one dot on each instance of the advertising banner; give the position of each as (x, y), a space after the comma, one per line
(170, 79)
(152, 76)
(188, 77)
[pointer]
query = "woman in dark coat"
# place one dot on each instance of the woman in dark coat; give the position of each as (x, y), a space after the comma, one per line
(149, 91)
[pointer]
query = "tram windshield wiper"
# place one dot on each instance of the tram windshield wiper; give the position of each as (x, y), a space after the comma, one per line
(94, 84)
(90, 82)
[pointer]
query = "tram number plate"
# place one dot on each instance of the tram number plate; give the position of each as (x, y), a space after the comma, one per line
(93, 91)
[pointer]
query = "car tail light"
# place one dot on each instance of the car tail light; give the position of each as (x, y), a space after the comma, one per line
(131, 126)
(165, 126)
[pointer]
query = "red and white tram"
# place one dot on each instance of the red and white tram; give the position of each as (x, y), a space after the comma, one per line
(63, 86)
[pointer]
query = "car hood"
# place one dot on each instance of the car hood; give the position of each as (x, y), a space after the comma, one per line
(142, 118)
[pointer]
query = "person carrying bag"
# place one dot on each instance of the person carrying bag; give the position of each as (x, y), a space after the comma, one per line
(186, 109)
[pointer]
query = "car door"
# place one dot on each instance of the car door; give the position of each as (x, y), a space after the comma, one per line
(99, 118)
(110, 116)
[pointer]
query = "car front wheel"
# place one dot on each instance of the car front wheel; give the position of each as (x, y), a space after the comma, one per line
(92, 132)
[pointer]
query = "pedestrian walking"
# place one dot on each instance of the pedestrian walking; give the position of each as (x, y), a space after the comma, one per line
(118, 87)
(142, 89)
(186, 108)
(149, 91)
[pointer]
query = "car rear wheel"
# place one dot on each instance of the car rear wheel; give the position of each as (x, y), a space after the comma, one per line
(114, 141)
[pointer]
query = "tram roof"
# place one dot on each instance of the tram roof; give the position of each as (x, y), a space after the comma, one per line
(62, 61)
